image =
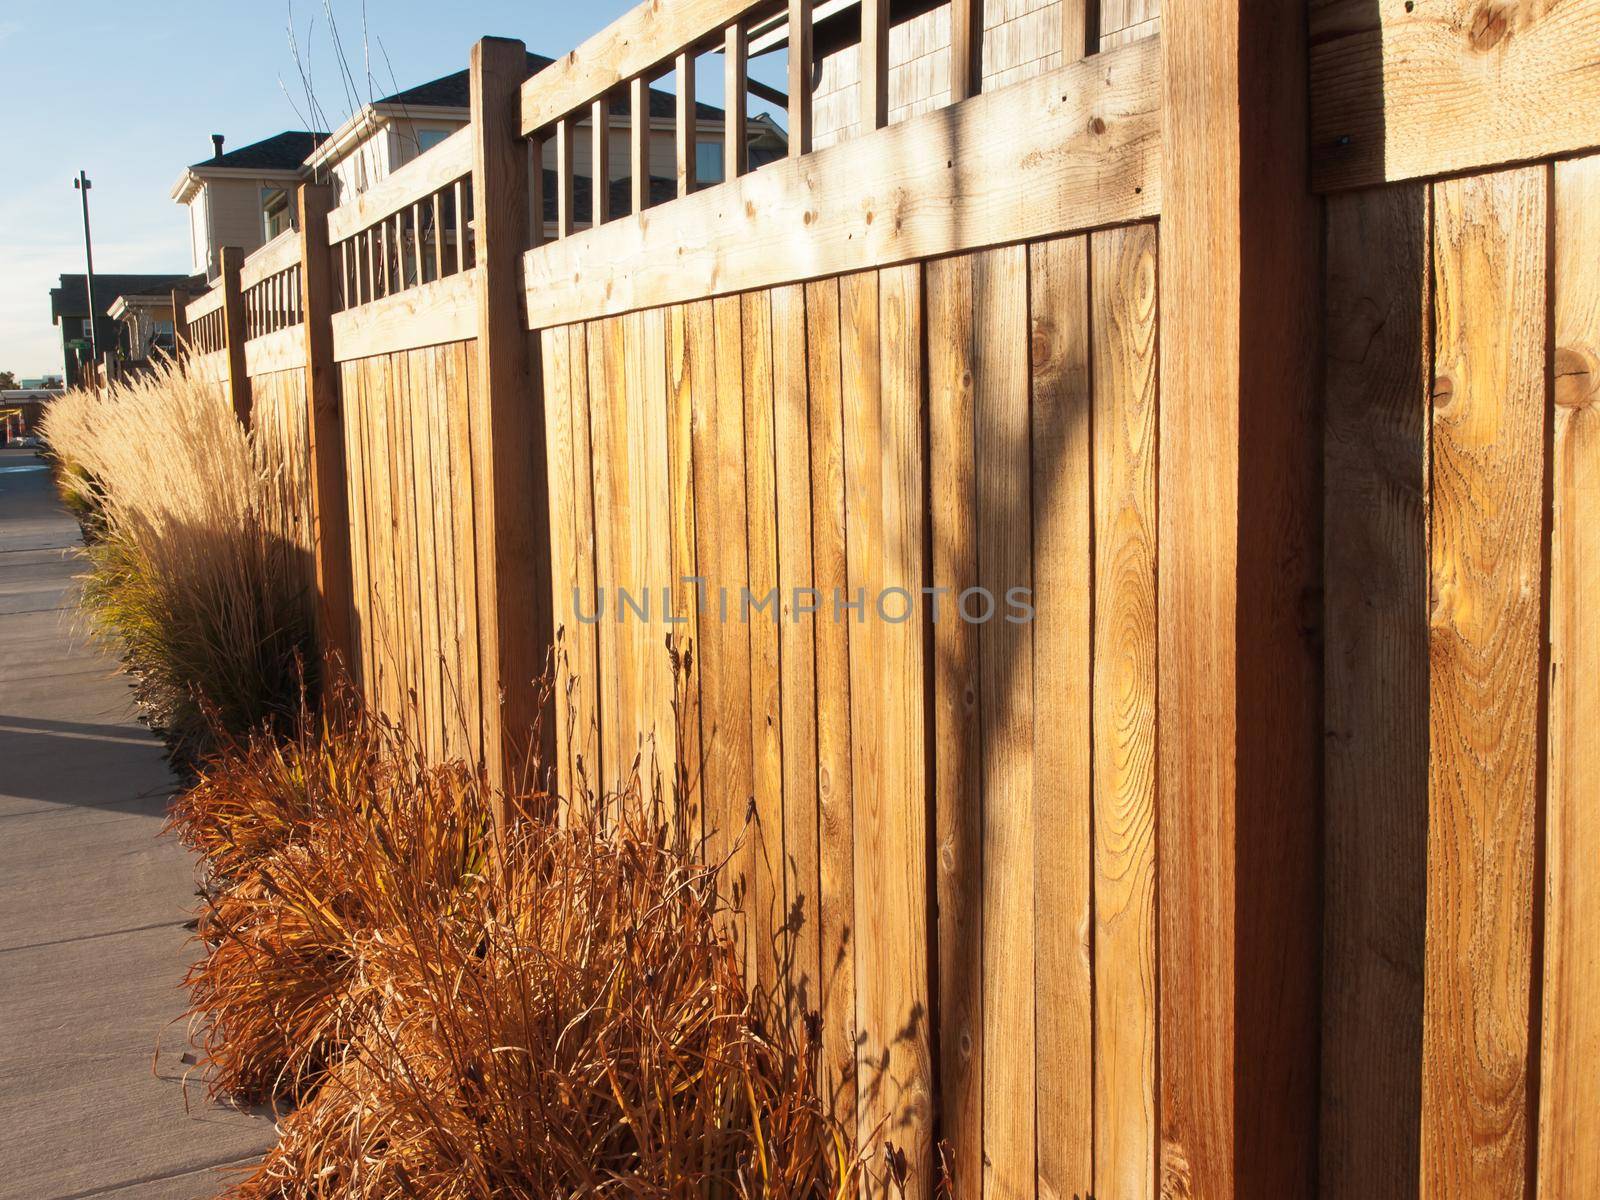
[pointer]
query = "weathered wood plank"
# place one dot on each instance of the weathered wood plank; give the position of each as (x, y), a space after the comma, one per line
(1569, 1152)
(764, 841)
(1376, 709)
(1004, 553)
(1403, 91)
(1062, 680)
(1240, 705)
(1072, 149)
(556, 365)
(583, 644)
(1487, 593)
(799, 956)
(608, 442)
(461, 363)
(509, 454)
(1123, 316)
(434, 314)
(835, 782)
(691, 382)
(957, 731)
(234, 334)
(881, 342)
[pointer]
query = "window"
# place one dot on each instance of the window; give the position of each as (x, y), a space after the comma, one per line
(708, 161)
(274, 211)
(87, 332)
(427, 139)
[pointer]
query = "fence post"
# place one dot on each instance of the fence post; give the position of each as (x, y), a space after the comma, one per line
(330, 504)
(180, 325)
(1239, 716)
(233, 332)
(511, 515)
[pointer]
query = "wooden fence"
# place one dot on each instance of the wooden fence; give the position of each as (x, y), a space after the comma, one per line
(1255, 861)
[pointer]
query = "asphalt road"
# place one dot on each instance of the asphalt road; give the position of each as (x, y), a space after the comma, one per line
(92, 905)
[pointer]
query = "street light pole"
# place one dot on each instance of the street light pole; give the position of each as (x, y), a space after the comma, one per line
(83, 185)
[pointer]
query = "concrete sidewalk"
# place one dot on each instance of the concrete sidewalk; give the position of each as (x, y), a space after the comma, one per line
(92, 905)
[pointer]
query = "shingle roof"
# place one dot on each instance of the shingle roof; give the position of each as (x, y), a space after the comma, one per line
(281, 152)
(71, 299)
(451, 91)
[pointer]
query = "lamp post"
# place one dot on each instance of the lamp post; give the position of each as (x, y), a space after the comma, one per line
(83, 185)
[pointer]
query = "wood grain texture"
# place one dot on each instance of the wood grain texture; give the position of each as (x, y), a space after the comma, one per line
(1402, 91)
(1123, 317)
(1487, 590)
(691, 381)
(1072, 149)
(556, 365)
(583, 644)
(1004, 544)
(957, 733)
(511, 496)
(1569, 1152)
(800, 932)
(1375, 548)
(1239, 720)
(881, 345)
(835, 750)
(1062, 683)
(613, 537)
(764, 841)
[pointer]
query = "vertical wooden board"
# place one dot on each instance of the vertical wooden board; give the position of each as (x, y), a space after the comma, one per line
(655, 548)
(1486, 559)
(835, 785)
(1003, 537)
(1062, 677)
(411, 608)
(1375, 556)
(461, 371)
(557, 371)
(764, 842)
(584, 647)
(800, 948)
(881, 340)
(1569, 1150)
(720, 525)
(447, 570)
(1123, 318)
(382, 535)
(354, 395)
(957, 733)
(636, 634)
(691, 381)
(607, 416)
(431, 684)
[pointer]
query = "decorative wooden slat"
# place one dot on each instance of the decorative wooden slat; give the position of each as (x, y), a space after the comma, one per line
(1071, 149)
(801, 57)
(438, 233)
(735, 100)
(445, 163)
(639, 142)
(565, 215)
(634, 44)
(685, 126)
(1405, 91)
(1485, 633)
(1062, 667)
(600, 158)
(966, 48)
(1569, 1153)
(1376, 692)
(874, 65)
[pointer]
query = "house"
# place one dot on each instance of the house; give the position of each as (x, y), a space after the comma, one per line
(147, 320)
(239, 197)
(383, 136)
(69, 310)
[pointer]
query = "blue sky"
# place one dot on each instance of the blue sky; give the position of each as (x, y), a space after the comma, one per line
(131, 93)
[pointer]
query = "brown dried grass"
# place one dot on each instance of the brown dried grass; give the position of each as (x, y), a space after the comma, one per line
(561, 1013)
